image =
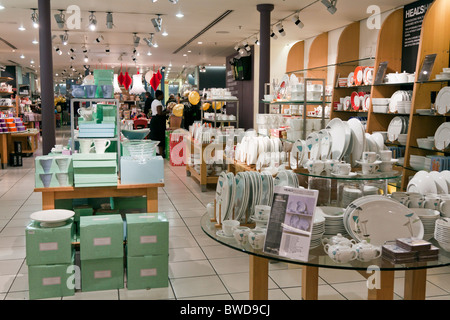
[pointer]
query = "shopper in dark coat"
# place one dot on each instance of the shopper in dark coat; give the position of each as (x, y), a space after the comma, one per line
(158, 121)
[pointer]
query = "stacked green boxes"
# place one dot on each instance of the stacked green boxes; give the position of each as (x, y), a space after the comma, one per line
(101, 252)
(50, 260)
(53, 171)
(95, 170)
(147, 251)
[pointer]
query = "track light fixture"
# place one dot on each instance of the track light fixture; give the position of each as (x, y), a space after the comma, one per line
(136, 40)
(92, 21)
(73, 57)
(237, 48)
(174, 1)
(331, 5)
(273, 35)
(35, 18)
(157, 23)
(84, 49)
(64, 38)
(109, 20)
(86, 59)
(280, 29)
(60, 19)
(58, 51)
(99, 39)
(108, 50)
(150, 41)
(297, 21)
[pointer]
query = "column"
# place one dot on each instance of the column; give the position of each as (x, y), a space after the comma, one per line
(264, 49)
(47, 90)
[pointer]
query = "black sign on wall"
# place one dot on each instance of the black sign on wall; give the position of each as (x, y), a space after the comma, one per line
(413, 15)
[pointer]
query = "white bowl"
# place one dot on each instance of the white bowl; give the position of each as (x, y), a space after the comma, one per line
(425, 143)
(380, 108)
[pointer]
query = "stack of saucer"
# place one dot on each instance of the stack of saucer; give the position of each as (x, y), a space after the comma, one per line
(334, 223)
(317, 230)
(428, 218)
(442, 233)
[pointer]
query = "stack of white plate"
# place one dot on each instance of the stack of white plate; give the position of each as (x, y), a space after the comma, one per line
(404, 106)
(397, 97)
(378, 219)
(349, 195)
(333, 220)
(397, 126)
(318, 230)
(444, 75)
(442, 233)
(428, 218)
(417, 162)
(286, 178)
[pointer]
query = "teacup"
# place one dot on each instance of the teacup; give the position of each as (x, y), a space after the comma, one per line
(338, 239)
(415, 200)
(86, 145)
(59, 147)
(432, 201)
(386, 167)
(444, 207)
(240, 233)
(369, 157)
(256, 239)
(369, 168)
(385, 155)
(262, 212)
(228, 227)
(343, 168)
(315, 166)
(86, 113)
(101, 145)
(330, 166)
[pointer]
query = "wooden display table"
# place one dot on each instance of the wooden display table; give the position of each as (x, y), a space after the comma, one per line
(23, 137)
(49, 195)
(379, 272)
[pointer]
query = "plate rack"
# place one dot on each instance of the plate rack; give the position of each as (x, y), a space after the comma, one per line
(219, 214)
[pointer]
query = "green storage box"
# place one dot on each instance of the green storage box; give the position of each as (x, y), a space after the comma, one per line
(51, 281)
(101, 237)
(102, 274)
(147, 272)
(147, 234)
(49, 245)
(83, 211)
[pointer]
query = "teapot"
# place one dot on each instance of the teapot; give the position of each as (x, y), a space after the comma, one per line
(366, 251)
(341, 253)
(338, 239)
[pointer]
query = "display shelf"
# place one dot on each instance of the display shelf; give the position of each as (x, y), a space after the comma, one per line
(221, 122)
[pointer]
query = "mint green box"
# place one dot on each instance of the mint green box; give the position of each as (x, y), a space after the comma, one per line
(51, 281)
(147, 234)
(82, 211)
(49, 245)
(101, 237)
(102, 274)
(147, 272)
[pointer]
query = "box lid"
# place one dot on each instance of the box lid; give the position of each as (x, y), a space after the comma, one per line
(132, 218)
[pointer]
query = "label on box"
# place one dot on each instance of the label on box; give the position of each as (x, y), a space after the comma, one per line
(147, 217)
(102, 241)
(149, 239)
(51, 281)
(100, 219)
(148, 272)
(48, 246)
(102, 274)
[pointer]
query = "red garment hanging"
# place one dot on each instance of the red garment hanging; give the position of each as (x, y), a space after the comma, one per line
(121, 77)
(127, 82)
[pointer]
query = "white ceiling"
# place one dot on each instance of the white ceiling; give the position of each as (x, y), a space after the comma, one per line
(134, 16)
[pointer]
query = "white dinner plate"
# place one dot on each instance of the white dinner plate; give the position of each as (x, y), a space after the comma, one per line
(359, 138)
(442, 136)
(395, 128)
(443, 101)
(336, 129)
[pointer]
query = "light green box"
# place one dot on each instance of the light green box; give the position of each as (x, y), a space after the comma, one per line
(49, 245)
(102, 274)
(147, 234)
(82, 211)
(101, 237)
(94, 156)
(51, 281)
(147, 272)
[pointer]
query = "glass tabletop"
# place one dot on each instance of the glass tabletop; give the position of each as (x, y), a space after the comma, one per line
(318, 257)
(355, 176)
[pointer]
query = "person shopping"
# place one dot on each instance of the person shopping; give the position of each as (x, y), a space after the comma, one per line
(158, 121)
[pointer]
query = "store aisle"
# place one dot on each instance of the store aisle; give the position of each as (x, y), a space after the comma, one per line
(199, 268)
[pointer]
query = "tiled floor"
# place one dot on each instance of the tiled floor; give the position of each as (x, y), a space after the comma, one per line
(199, 268)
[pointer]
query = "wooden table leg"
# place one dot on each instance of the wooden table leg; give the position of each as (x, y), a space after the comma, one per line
(152, 200)
(310, 283)
(415, 284)
(259, 278)
(4, 150)
(48, 200)
(383, 288)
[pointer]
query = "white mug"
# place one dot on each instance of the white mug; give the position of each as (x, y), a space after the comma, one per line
(256, 239)
(431, 202)
(416, 201)
(386, 167)
(228, 227)
(86, 145)
(385, 155)
(101, 145)
(444, 208)
(344, 168)
(262, 212)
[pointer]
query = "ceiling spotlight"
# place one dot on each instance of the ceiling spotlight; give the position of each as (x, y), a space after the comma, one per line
(58, 51)
(71, 50)
(107, 50)
(257, 41)
(22, 57)
(273, 35)
(149, 40)
(179, 15)
(72, 57)
(149, 53)
(86, 59)
(109, 20)
(136, 40)
(157, 23)
(84, 49)
(60, 19)
(92, 21)
(237, 48)
(154, 1)
(280, 29)
(297, 21)
(22, 28)
(35, 41)
(165, 34)
(99, 39)
(174, 1)
(331, 5)
(64, 38)
(35, 19)
(247, 47)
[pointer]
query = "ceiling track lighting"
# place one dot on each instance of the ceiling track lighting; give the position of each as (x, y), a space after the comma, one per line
(149, 41)
(84, 49)
(173, 1)
(331, 5)
(247, 47)
(280, 29)
(99, 39)
(86, 59)
(136, 40)
(60, 19)
(65, 38)
(297, 21)
(109, 20)
(92, 21)
(157, 23)
(273, 35)
(58, 51)
(35, 18)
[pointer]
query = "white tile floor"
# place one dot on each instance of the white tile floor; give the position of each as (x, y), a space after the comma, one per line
(199, 268)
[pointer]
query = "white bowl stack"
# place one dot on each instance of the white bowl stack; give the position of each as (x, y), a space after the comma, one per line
(334, 223)
(442, 233)
(428, 218)
(318, 230)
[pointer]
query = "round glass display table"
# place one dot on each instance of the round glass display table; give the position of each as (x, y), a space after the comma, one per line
(337, 190)
(379, 272)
